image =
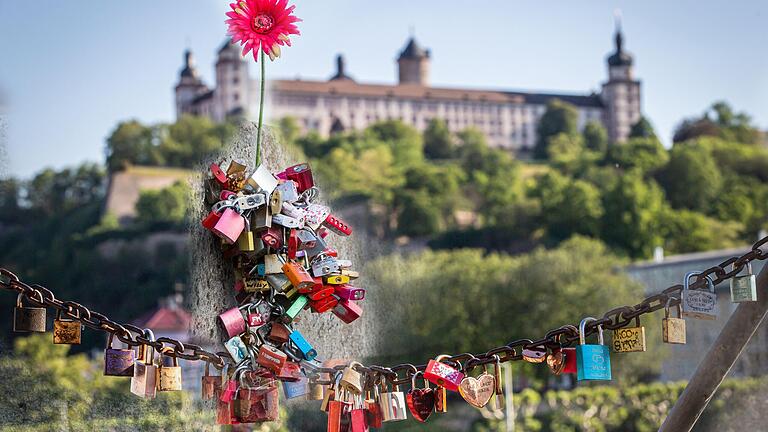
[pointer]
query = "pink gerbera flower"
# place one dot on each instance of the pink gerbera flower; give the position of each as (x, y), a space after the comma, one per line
(262, 25)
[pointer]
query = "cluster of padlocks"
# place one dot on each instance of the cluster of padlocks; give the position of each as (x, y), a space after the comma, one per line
(275, 235)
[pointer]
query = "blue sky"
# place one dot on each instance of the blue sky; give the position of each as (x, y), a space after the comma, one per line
(72, 70)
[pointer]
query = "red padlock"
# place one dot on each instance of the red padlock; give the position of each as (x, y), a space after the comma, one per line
(337, 225)
(279, 333)
(301, 174)
(321, 293)
(570, 360)
(210, 221)
(225, 195)
(443, 375)
(219, 174)
(324, 305)
(359, 418)
(293, 244)
(348, 292)
(271, 358)
(336, 410)
(290, 371)
(272, 237)
(347, 311)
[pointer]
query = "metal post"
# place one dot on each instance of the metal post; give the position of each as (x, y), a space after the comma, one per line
(719, 360)
(509, 395)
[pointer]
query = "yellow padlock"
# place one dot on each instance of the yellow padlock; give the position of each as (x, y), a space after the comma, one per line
(337, 279)
(246, 242)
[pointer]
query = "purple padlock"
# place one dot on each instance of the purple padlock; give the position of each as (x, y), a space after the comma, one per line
(348, 292)
(232, 322)
(230, 225)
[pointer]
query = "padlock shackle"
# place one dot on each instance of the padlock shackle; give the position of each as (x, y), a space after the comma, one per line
(687, 281)
(150, 336)
(679, 307)
(583, 325)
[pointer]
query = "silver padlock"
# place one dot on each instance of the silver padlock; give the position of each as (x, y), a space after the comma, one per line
(279, 282)
(287, 221)
(325, 266)
(263, 179)
(699, 303)
(744, 288)
(272, 264)
(288, 191)
(250, 202)
(261, 219)
(320, 247)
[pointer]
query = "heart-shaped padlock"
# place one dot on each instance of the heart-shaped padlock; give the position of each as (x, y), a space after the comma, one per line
(478, 391)
(421, 401)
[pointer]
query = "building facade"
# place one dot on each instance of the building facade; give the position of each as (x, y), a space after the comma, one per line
(508, 118)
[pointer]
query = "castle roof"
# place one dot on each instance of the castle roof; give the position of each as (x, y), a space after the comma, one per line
(413, 51)
(165, 319)
(620, 57)
(409, 91)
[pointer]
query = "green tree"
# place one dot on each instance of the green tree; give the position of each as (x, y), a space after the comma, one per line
(168, 205)
(633, 210)
(192, 138)
(595, 137)
(289, 130)
(692, 178)
(686, 231)
(52, 191)
(438, 140)
(132, 143)
(646, 154)
(642, 129)
(473, 149)
(560, 117)
(405, 142)
(568, 206)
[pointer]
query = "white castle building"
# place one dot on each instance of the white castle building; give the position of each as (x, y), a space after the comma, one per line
(508, 118)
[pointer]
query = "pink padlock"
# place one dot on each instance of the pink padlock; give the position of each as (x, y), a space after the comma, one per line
(230, 225)
(232, 322)
(347, 311)
(348, 292)
(443, 375)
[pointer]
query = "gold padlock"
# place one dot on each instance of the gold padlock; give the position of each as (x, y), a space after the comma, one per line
(211, 384)
(316, 391)
(66, 331)
(246, 241)
(351, 380)
(275, 202)
(673, 329)
(169, 377)
(629, 339)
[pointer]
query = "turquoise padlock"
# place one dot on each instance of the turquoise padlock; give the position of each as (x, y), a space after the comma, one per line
(593, 362)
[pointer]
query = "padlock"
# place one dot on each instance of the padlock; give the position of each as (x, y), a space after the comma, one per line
(212, 189)
(443, 375)
(336, 409)
(349, 311)
(593, 362)
(301, 174)
(211, 220)
(476, 391)
(229, 385)
(279, 333)
(325, 266)
(227, 195)
(288, 191)
(358, 416)
(321, 293)
(556, 361)
(328, 304)
(287, 221)
(348, 292)
(144, 380)
(301, 343)
(338, 279)
(236, 348)
(262, 179)
(319, 248)
(316, 391)
(271, 358)
(290, 371)
(296, 389)
(306, 240)
(351, 380)
(210, 385)
(236, 175)
(66, 331)
(229, 226)
(218, 174)
(293, 244)
(258, 315)
(374, 414)
(744, 288)
(699, 304)
(261, 219)
(421, 401)
(272, 237)
(441, 400)
(337, 225)
(392, 402)
(169, 377)
(315, 215)
(499, 383)
(246, 242)
(272, 264)
(291, 210)
(569, 356)
(225, 413)
(118, 362)
(298, 276)
(673, 329)
(28, 319)
(351, 274)
(280, 282)
(232, 322)
(296, 307)
(629, 339)
(330, 393)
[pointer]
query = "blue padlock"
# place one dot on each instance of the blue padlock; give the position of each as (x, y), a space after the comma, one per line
(306, 349)
(593, 362)
(294, 389)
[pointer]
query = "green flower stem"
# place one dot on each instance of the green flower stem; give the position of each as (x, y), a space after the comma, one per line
(261, 109)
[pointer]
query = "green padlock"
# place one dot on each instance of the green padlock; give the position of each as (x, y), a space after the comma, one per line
(296, 307)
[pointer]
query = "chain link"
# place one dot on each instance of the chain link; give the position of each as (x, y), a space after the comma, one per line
(564, 336)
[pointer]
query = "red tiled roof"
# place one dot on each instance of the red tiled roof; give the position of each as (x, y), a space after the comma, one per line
(164, 318)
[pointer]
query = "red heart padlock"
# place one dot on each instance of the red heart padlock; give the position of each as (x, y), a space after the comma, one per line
(421, 401)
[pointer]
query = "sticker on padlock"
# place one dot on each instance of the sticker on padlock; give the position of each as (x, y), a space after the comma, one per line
(593, 362)
(237, 349)
(700, 304)
(315, 215)
(443, 375)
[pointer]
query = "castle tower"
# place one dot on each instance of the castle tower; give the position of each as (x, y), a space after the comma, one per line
(413, 64)
(341, 70)
(189, 87)
(621, 93)
(232, 95)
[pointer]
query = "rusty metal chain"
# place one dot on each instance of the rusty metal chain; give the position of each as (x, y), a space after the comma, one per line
(561, 337)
